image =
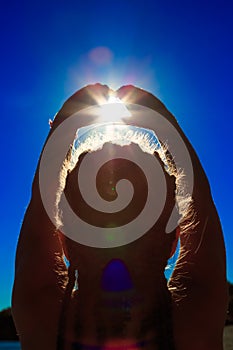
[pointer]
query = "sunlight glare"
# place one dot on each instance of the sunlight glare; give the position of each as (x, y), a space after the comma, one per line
(114, 110)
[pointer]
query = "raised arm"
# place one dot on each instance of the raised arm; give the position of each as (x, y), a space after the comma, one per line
(198, 283)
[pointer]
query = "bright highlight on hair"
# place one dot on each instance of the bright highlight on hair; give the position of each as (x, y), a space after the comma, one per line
(92, 138)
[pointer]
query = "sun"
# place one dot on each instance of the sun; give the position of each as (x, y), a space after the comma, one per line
(113, 111)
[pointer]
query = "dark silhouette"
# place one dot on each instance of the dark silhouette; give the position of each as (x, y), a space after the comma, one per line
(7, 327)
(48, 314)
(8, 330)
(229, 319)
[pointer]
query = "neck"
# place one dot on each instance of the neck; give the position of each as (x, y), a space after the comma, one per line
(130, 319)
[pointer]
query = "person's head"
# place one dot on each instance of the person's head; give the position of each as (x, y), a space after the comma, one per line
(154, 246)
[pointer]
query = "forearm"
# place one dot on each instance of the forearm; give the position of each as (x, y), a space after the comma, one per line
(198, 284)
(37, 292)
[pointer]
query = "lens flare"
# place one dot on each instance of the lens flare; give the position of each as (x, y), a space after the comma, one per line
(116, 277)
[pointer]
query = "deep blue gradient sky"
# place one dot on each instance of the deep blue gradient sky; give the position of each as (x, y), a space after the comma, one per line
(181, 51)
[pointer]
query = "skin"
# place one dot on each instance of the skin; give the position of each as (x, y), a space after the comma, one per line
(198, 307)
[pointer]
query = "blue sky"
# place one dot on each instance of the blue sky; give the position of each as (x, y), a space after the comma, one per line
(180, 51)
